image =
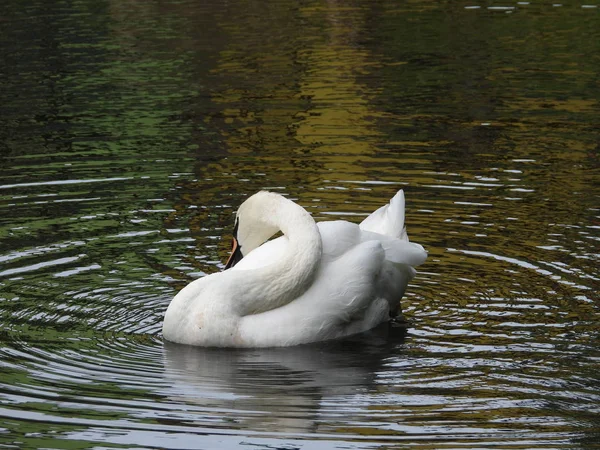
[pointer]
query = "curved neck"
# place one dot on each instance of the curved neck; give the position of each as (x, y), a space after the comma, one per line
(288, 276)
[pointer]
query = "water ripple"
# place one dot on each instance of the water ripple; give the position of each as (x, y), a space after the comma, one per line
(128, 139)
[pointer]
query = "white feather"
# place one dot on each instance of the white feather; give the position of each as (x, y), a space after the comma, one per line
(316, 282)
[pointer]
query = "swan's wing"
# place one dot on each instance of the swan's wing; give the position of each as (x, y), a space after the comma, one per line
(348, 285)
(342, 294)
(398, 251)
(340, 236)
(389, 219)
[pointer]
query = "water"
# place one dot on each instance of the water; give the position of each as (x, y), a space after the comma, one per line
(131, 131)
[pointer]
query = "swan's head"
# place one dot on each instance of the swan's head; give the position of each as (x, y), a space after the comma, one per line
(255, 223)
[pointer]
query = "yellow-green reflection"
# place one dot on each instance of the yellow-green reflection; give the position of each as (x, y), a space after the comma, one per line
(132, 130)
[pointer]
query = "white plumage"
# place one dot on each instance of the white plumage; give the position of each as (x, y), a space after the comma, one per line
(316, 282)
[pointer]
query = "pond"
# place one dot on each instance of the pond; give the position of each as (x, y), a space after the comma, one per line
(131, 131)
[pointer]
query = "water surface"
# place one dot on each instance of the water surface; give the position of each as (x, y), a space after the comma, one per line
(130, 132)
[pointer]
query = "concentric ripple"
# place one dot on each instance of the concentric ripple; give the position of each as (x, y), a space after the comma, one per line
(130, 132)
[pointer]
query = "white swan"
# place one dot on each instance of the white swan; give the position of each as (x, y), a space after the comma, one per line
(316, 282)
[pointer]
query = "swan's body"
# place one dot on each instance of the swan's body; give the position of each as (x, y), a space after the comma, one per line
(316, 282)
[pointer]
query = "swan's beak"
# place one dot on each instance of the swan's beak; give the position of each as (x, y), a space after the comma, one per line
(236, 255)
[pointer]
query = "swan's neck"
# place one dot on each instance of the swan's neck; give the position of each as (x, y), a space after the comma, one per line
(290, 275)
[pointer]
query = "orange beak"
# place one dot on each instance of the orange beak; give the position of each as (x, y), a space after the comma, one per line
(236, 255)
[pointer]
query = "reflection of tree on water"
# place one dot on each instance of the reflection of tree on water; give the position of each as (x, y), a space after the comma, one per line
(288, 109)
(340, 124)
(278, 389)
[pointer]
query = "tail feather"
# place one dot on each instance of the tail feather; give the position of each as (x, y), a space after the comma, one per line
(389, 219)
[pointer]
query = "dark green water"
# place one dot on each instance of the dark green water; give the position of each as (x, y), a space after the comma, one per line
(129, 133)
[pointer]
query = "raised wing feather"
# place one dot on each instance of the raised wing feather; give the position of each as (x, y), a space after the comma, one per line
(389, 219)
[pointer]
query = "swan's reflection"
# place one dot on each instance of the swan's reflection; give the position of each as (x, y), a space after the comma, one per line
(275, 389)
